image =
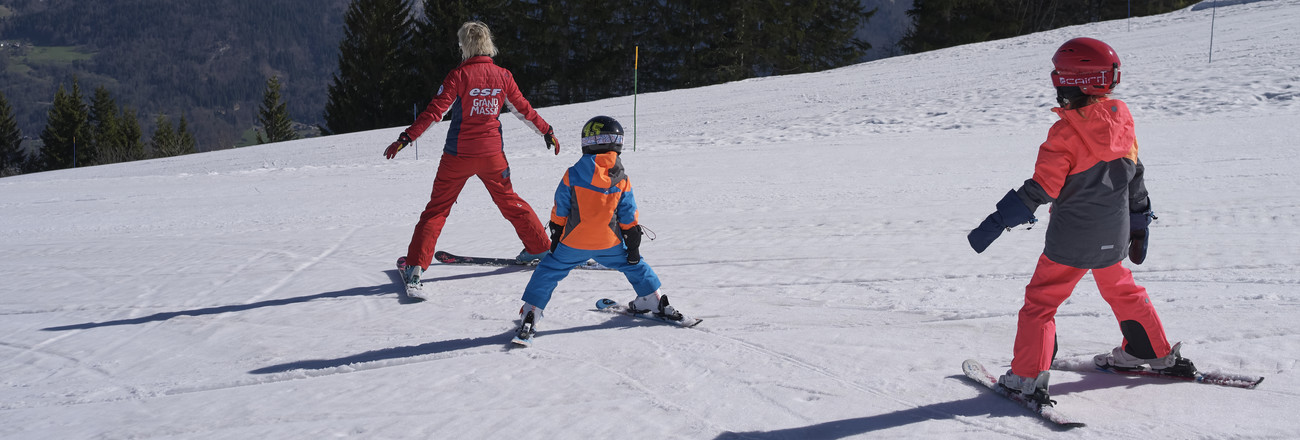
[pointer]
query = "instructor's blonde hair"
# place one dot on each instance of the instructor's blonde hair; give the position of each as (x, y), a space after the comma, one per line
(475, 40)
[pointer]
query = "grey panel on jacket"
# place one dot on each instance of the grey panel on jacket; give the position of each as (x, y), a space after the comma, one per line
(1089, 227)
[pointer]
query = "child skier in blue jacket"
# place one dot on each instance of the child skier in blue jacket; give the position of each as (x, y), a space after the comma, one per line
(595, 217)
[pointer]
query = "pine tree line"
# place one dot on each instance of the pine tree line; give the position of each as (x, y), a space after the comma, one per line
(937, 24)
(567, 51)
(393, 58)
(80, 133)
(100, 132)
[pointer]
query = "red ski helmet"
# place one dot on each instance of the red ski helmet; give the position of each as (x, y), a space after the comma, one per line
(1086, 63)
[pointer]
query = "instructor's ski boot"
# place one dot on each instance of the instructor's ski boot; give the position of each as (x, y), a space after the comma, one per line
(1033, 388)
(1173, 365)
(411, 276)
(525, 257)
(656, 303)
(528, 317)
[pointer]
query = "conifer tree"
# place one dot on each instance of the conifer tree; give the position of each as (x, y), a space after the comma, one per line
(67, 131)
(165, 142)
(132, 136)
(184, 139)
(435, 42)
(274, 115)
(376, 83)
(809, 38)
(12, 157)
(107, 137)
(938, 24)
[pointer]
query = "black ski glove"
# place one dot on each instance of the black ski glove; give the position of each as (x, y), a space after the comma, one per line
(552, 142)
(402, 141)
(632, 239)
(556, 231)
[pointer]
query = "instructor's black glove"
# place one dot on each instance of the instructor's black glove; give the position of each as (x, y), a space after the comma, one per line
(556, 231)
(402, 141)
(1139, 230)
(632, 239)
(552, 142)
(1011, 213)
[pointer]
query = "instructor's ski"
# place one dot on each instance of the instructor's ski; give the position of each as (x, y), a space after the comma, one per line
(449, 258)
(1206, 377)
(977, 373)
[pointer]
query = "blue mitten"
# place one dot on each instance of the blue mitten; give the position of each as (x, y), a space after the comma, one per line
(1139, 233)
(1011, 213)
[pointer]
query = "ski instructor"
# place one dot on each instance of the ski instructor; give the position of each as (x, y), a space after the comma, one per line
(472, 97)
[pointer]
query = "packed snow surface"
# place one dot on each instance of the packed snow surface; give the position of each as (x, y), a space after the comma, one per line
(816, 222)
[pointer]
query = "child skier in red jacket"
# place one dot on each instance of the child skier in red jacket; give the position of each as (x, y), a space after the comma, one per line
(1089, 170)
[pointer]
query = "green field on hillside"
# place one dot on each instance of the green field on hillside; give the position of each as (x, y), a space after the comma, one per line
(54, 55)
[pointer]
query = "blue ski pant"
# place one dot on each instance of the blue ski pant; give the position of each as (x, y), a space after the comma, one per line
(556, 265)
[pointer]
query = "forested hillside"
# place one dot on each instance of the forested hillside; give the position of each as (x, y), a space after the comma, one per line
(209, 61)
(206, 61)
(937, 24)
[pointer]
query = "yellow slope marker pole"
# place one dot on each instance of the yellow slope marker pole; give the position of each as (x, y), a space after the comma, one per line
(636, 61)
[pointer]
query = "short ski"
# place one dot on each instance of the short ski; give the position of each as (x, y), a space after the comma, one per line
(448, 258)
(609, 305)
(413, 294)
(1210, 378)
(525, 333)
(977, 373)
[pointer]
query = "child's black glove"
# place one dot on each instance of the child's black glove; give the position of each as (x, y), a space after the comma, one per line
(556, 231)
(632, 239)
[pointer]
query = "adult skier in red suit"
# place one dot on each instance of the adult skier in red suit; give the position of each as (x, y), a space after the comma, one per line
(471, 99)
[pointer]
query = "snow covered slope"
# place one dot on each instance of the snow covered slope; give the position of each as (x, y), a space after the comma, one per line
(817, 222)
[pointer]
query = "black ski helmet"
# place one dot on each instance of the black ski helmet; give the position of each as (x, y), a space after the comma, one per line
(602, 134)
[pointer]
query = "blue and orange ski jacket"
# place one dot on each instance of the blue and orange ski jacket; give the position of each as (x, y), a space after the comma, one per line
(472, 97)
(594, 202)
(1088, 169)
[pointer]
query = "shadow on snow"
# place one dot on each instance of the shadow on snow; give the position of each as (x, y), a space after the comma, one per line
(501, 340)
(985, 404)
(395, 287)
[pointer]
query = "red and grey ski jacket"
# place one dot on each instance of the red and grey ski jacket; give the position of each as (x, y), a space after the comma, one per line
(1089, 170)
(594, 203)
(472, 96)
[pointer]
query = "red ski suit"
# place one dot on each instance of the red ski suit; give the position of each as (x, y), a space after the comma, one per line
(472, 97)
(1089, 170)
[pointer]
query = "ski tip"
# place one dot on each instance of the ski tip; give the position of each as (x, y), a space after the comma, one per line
(605, 303)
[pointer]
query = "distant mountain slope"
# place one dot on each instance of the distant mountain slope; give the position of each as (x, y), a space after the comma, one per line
(165, 57)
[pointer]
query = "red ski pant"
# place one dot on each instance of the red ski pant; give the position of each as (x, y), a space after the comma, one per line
(453, 171)
(1052, 283)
